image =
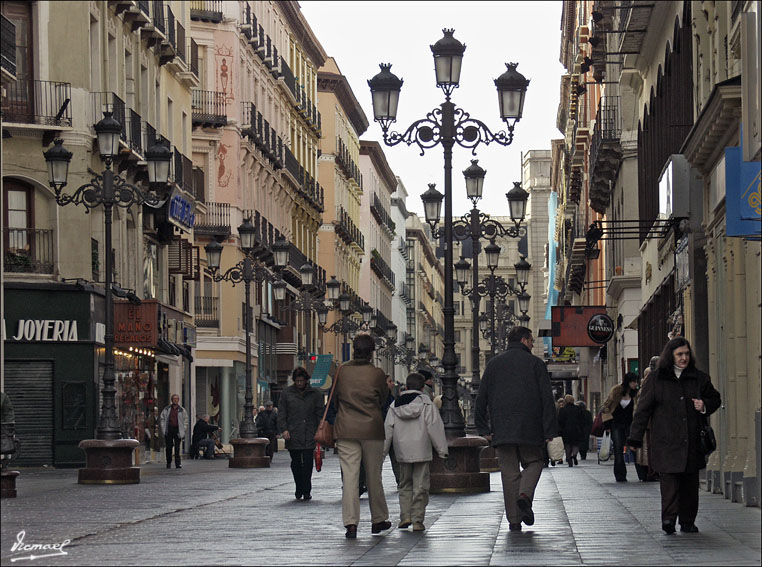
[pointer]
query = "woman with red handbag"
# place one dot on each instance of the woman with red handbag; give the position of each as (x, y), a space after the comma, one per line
(299, 411)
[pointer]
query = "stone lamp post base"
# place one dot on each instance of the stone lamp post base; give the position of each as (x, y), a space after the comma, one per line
(249, 453)
(460, 473)
(8, 484)
(109, 462)
(488, 460)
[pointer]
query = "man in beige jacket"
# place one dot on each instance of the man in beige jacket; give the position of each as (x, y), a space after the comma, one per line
(360, 394)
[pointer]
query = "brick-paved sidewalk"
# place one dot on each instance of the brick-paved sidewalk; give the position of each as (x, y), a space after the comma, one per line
(206, 513)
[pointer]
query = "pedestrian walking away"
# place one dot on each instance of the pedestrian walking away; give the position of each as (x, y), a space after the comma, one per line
(413, 427)
(516, 413)
(677, 398)
(571, 422)
(267, 426)
(200, 438)
(584, 445)
(174, 422)
(360, 394)
(300, 409)
(642, 461)
(617, 416)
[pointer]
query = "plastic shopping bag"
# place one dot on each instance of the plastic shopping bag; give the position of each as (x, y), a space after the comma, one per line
(556, 449)
(605, 451)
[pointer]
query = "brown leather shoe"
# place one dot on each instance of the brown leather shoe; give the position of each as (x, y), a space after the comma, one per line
(380, 526)
(351, 531)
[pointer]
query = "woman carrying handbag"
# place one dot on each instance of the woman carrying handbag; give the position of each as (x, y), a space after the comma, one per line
(677, 398)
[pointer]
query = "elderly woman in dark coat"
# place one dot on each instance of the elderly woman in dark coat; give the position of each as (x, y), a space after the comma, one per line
(677, 398)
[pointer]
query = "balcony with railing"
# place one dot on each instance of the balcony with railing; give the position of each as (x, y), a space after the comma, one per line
(381, 268)
(28, 251)
(209, 109)
(206, 311)
(381, 215)
(206, 11)
(199, 184)
(215, 221)
(7, 48)
(180, 42)
(169, 44)
(347, 230)
(605, 152)
(193, 56)
(29, 101)
(109, 102)
(288, 77)
(246, 22)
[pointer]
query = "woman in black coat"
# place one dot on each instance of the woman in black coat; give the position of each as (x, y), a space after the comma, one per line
(571, 421)
(677, 398)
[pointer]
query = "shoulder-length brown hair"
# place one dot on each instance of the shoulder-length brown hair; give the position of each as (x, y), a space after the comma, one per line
(667, 358)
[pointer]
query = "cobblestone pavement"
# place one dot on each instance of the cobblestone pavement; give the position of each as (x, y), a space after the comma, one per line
(208, 514)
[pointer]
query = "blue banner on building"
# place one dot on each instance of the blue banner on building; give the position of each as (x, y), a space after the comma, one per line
(320, 373)
(743, 202)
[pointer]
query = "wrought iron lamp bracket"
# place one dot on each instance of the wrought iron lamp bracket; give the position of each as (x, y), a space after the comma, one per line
(94, 194)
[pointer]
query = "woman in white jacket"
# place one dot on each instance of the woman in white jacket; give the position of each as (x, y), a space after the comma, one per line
(414, 426)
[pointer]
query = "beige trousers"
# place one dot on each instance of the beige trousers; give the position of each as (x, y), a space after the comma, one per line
(414, 490)
(515, 480)
(369, 452)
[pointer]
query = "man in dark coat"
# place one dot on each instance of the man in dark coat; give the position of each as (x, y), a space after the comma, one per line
(300, 409)
(201, 439)
(516, 412)
(677, 398)
(267, 426)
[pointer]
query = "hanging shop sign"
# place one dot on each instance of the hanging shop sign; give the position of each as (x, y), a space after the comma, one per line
(320, 373)
(136, 325)
(743, 196)
(570, 325)
(600, 328)
(180, 212)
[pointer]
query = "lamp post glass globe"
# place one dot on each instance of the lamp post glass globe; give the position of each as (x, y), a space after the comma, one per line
(306, 271)
(524, 298)
(213, 255)
(247, 231)
(158, 157)
(448, 57)
(391, 332)
(367, 313)
(483, 322)
(108, 130)
(522, 271)
(517, 202)
(432, 204)
(409, 342)
(333, 288)
(511, 90)
(344, 302)
(385, 90)
(281, 249)
(462, 268)
(474, 175)
(492, 251)
(279, 290)
(322, 313)
(58, 159)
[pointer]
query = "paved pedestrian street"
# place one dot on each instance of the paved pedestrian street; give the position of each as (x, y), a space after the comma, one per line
(208, 514)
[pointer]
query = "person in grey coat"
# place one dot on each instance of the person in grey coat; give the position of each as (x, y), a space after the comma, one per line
(516, 412)
(300, 409)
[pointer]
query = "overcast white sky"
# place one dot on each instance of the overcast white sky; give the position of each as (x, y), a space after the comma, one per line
(362, 34)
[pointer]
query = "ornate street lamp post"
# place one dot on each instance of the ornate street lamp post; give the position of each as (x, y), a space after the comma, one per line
(108, 456)
(448, 125)
(248, 450)
(475, 226)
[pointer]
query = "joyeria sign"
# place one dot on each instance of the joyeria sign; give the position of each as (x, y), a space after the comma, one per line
(600, 328)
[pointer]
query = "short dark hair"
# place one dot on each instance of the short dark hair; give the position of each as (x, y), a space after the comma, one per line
(300, 372)
(268, 403)
(415, 381)
(426, 373)
(363, 346)
(667, 358)
(518, 333)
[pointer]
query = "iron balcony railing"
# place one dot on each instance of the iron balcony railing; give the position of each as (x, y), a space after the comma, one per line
(158, 15)
(145, 6)
(194, 57)
(247, 111)
(8, 45)
(149, 135)
(206, 10)
(199, 185)
(382, 269)
(208, 109)
(188, 179)
(28, 250)
(246, 30)
(608, 126)
(215, 221)
(135, 131)
(288, 76)
(109, 102)
(206, 311)
(171, 33)
(37, 102)
(180, 44)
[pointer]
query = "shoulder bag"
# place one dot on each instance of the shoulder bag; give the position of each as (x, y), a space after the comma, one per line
(707, 440)
(324, 433)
